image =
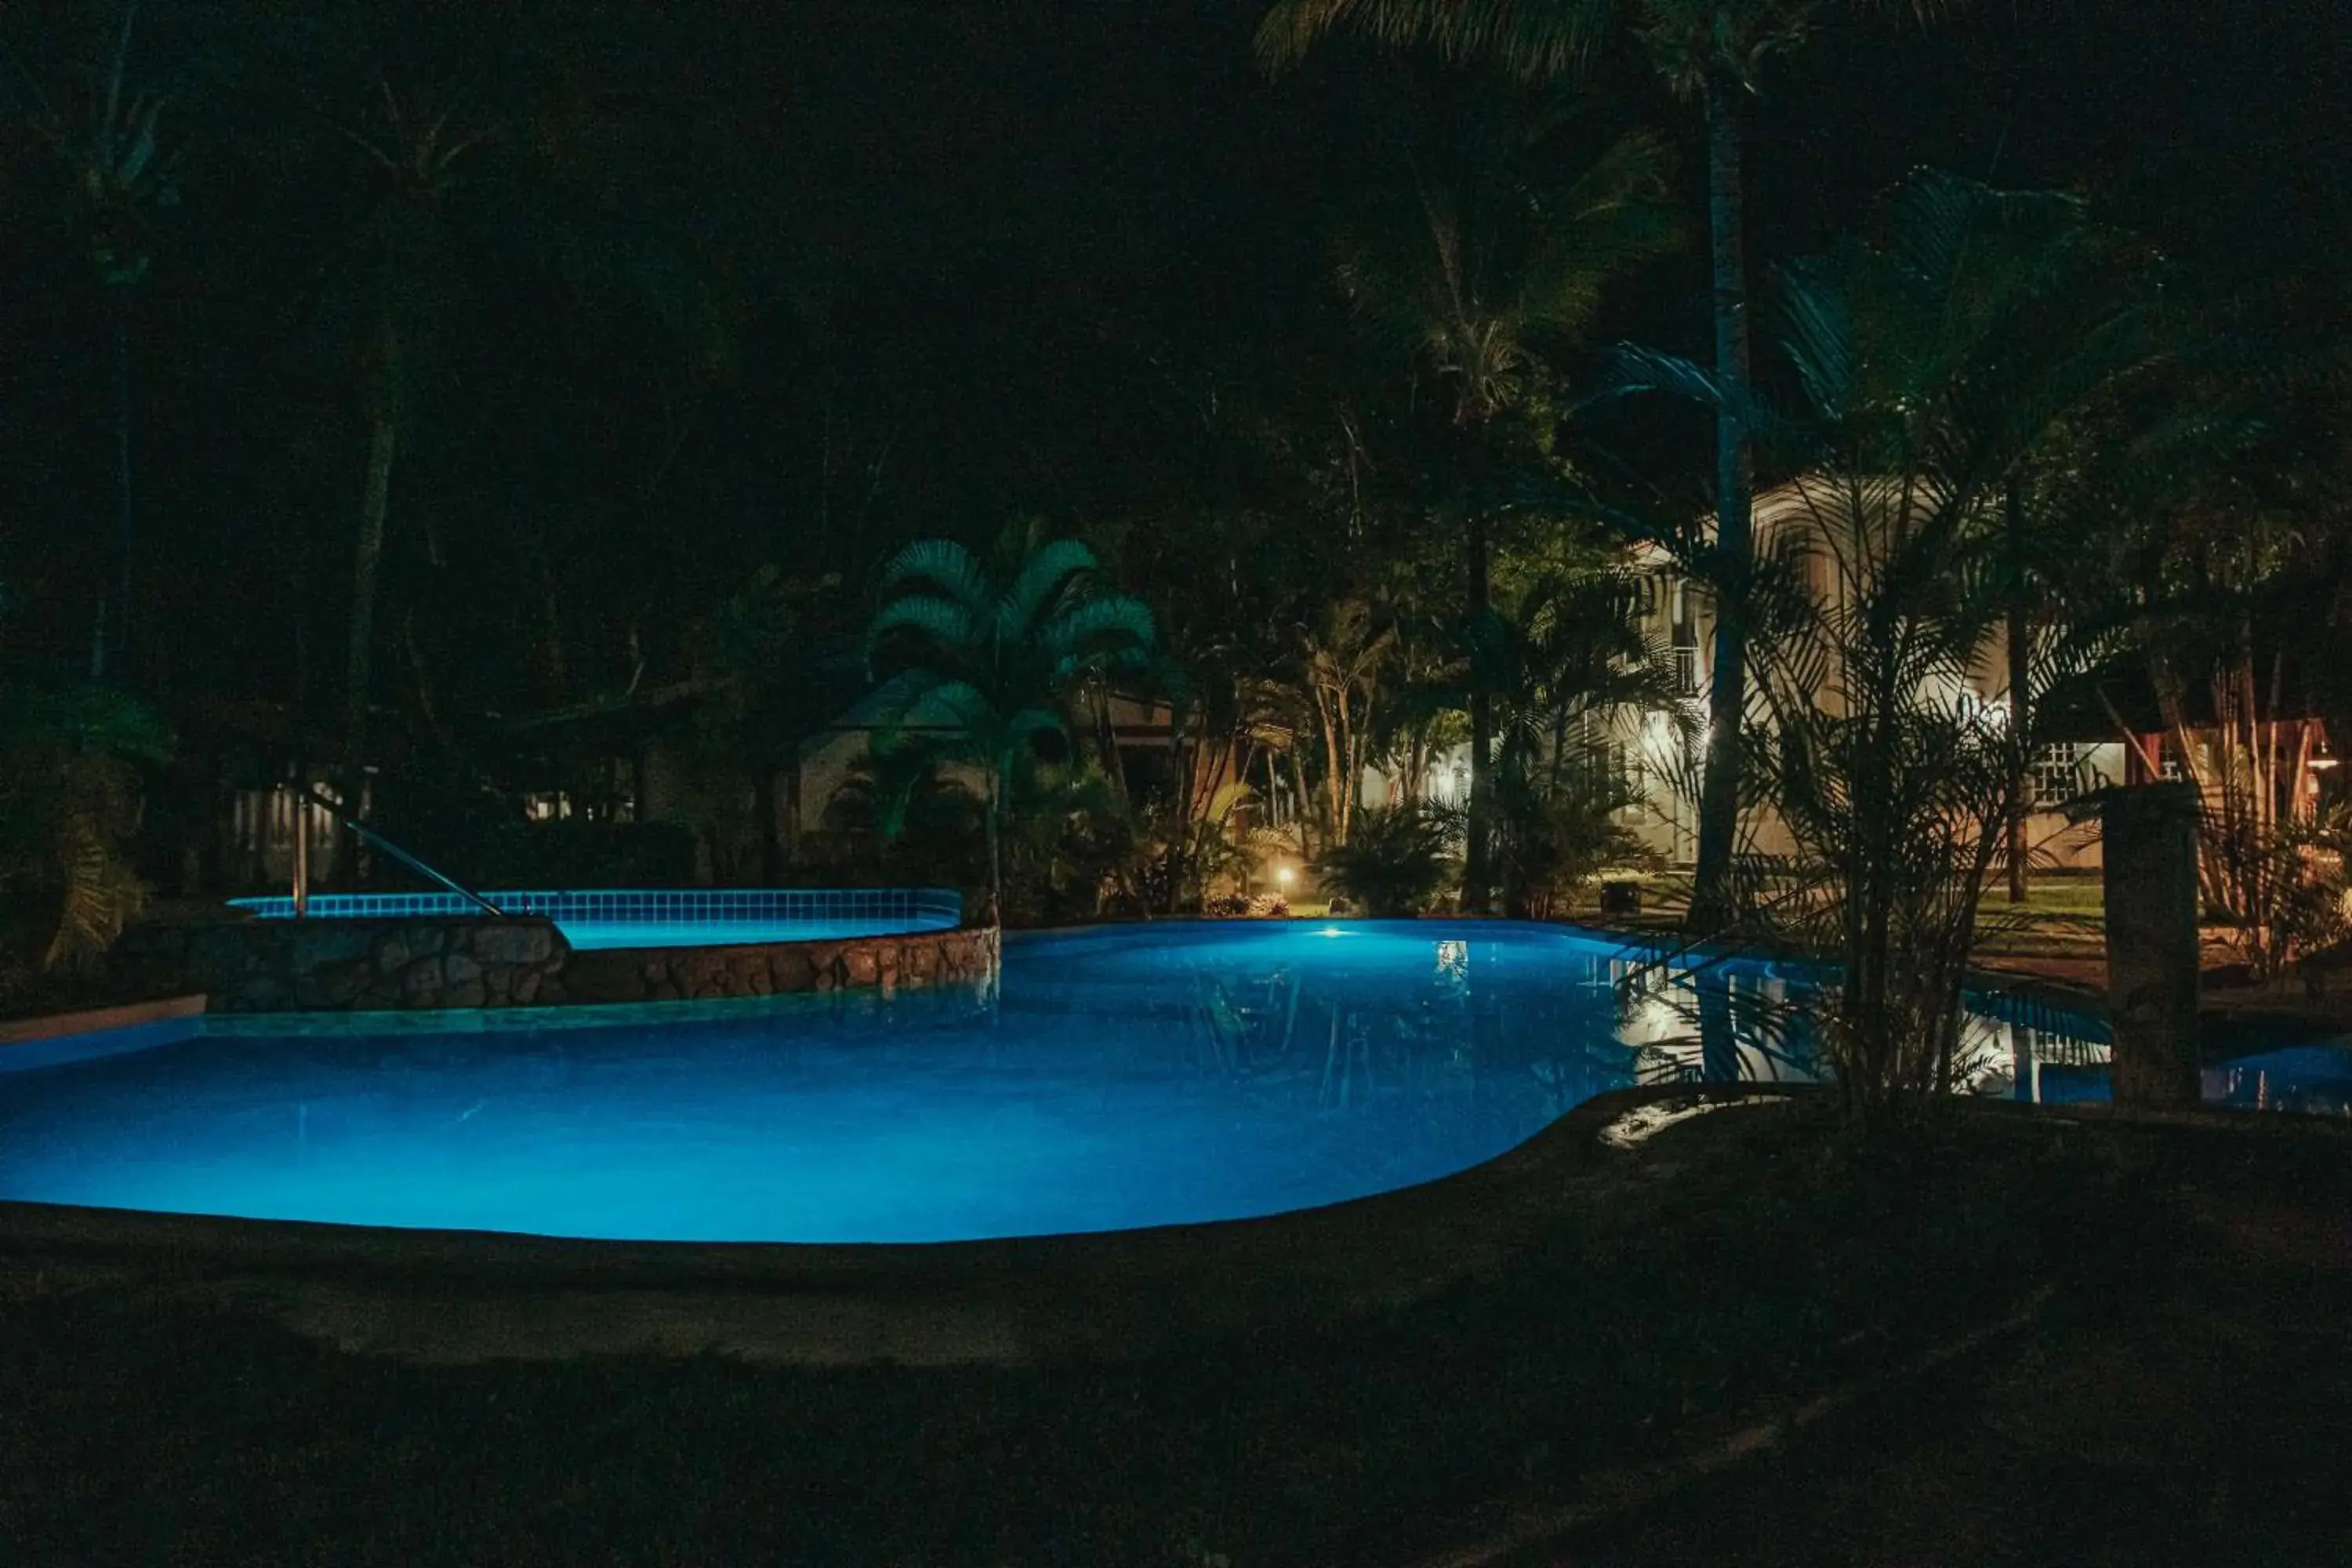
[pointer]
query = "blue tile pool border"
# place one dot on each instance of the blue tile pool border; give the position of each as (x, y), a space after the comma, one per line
(920, 909)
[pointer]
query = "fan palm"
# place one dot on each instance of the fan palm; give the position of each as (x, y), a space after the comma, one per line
(983, 660)
(1475, 287)
(1710, 50)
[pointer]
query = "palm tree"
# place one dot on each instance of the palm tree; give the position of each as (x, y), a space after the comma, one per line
(120, 173)
(459, 186)
(1338, 668)
(69, 797)
(1937, 361)
(1710, 50)
(785, 667)
(1570, 648)
(421, 148)
(1476, 288)
(983, 660)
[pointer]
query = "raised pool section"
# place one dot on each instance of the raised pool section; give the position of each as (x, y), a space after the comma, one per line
(688, 917)
(373, 952)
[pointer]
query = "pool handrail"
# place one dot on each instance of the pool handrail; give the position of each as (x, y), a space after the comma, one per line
(397, 852)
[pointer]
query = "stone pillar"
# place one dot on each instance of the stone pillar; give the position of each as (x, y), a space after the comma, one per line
(2149, 852)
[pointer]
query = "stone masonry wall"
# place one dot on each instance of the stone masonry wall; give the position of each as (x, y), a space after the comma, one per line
(335, 965)
(430, 961)
(917, 960)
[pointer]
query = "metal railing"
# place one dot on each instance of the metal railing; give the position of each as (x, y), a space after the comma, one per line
(377, 841)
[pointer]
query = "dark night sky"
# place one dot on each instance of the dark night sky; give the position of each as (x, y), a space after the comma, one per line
(976, 220)
(951, 97)
(1124, 128)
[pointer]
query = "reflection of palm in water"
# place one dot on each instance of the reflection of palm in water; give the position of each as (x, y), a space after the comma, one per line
(1438, 1034)
(1741, 1027)
(1748, 1026)
(1283, 1027)
(1604, 1023)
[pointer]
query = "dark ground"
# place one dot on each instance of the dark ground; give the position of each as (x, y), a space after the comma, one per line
(2183, 1396)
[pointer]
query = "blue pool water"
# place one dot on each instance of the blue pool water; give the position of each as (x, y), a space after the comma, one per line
(586, 934)
(664, 917)
(1125, 1076)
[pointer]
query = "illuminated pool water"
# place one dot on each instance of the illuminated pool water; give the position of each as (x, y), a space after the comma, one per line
(586, 935)
(1127, 1077)
(655, 917)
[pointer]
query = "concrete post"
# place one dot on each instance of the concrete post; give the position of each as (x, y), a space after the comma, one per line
(2149, 852)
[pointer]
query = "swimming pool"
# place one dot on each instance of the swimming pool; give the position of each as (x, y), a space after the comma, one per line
(1125, 1076)
(692, 917)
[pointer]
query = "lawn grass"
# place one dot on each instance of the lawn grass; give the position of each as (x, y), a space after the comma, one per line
(1749, 1258)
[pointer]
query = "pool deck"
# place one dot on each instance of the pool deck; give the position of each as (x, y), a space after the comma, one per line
(442, 1297)
(98, 1020)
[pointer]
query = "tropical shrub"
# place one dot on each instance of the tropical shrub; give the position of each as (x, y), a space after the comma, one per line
(1193, 859)
(1552, 841)
(902, 816)
(1248, 906)
(69, 798)
(1397, 860)
(1073, 849)
(2281, 884)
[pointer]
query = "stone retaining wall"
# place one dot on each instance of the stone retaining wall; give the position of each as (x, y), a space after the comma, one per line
(435, 961)
(337, 965)
(916, 959)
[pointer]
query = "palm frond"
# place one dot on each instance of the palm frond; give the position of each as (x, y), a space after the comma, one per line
(1045, 579)
(101, 893)
(1532, 38)
(1030, 723)
(1617, 214)
(946, 625)
(939, 566)
(1098, 630)
(1814, 322)
(955, 717)
(1631, 370)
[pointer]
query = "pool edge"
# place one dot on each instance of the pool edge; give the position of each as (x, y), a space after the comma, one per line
(454, 1297)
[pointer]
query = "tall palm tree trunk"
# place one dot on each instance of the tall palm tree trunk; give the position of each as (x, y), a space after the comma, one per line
(2021, 658)
(359, 668)
(1478, 860)
(111, 635)
(1718, 806)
